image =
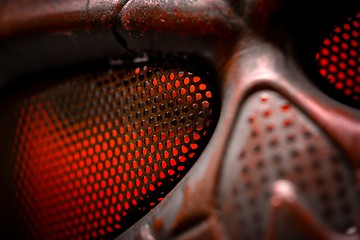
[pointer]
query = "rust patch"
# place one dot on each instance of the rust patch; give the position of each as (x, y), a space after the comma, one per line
(198, 203)
(197, 18)
(19, 18)
(191, 212)
(158, 225)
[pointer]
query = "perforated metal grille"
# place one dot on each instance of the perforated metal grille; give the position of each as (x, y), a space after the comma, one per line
(273, 140)
(96, 153)
(339, 59)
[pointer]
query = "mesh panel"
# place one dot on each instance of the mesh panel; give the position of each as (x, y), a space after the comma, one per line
(274, 140)
(96, 153)
(339, 59)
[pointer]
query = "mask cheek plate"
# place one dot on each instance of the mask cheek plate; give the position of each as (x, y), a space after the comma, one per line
(274, 141)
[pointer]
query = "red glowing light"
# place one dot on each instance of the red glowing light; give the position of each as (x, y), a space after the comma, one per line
(339, 58)
(82, 177)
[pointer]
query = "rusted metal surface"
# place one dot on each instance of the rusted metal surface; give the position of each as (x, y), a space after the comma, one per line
(256, 47)
(204, 28)
(274, 141)
(40, 35)
(22, 18)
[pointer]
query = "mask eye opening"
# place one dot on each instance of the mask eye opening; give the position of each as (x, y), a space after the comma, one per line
(176, 104)
(338, 61)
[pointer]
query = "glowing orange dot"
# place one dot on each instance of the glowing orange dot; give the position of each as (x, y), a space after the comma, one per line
(163, 78)
(196, 79)
(155, 82)
(177, 83)
(173, 162)
(196, 136)
(184, 149)
(186, 81)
